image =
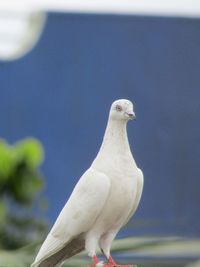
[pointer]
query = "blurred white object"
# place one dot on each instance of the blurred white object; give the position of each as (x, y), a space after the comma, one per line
(22, 21)
(19, 32)
(184, 8)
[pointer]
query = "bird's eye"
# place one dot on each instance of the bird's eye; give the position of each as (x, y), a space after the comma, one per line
(118, 108)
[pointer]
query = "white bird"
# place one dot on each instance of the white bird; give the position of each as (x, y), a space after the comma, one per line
(103, 200)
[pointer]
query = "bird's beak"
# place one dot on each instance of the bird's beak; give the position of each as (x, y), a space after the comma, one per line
(131, 115)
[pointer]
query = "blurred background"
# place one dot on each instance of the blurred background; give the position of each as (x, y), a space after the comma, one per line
(62, 63)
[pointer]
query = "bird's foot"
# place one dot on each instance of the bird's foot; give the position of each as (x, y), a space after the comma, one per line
(110, 263)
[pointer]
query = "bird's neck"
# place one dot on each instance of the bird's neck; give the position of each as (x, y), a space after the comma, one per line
(115, 137)
(115, 149)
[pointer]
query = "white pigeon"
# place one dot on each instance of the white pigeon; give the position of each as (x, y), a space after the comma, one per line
(103, 200)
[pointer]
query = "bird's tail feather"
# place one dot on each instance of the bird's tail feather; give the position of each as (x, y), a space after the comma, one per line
(72, 248)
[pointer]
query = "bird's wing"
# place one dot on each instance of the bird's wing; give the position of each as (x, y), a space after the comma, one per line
(140, 181)
(79, 213)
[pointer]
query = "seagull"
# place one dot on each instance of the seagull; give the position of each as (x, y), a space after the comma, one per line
(102, 202)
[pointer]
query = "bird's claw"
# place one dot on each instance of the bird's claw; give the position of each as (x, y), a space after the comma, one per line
(110, 263)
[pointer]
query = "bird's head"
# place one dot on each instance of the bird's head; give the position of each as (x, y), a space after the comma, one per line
(122, 109)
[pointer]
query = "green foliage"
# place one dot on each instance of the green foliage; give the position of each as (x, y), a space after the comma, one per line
(19, 176)
(6, 162)
(20, 182)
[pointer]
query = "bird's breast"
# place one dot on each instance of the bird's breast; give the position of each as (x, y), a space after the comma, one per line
(123, 192)
(123, 174)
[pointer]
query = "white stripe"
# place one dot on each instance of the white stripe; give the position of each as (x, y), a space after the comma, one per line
(184, 8)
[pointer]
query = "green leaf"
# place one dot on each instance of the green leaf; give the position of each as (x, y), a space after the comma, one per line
(7, 162)
(20, 182)
(31, 151)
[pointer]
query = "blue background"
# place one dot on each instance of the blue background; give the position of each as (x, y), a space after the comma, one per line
(62, 90)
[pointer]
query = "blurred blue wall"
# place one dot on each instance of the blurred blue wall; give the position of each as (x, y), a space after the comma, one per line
(61, 93)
